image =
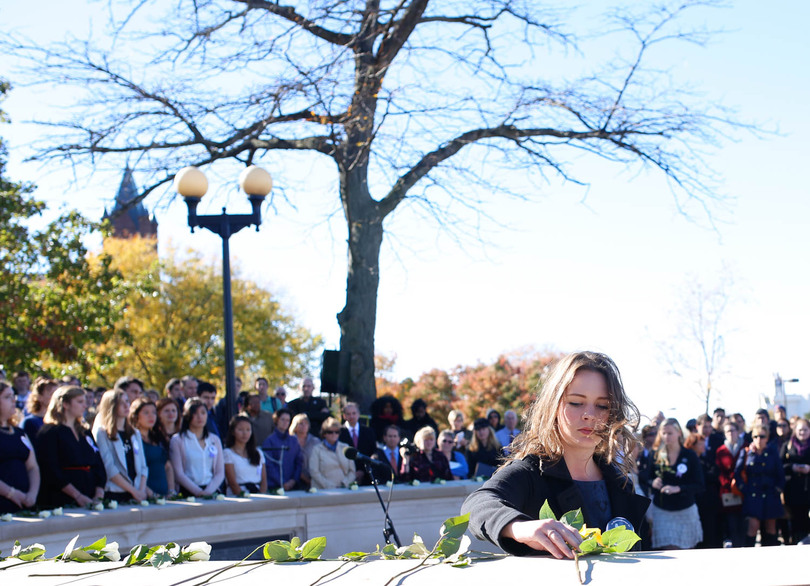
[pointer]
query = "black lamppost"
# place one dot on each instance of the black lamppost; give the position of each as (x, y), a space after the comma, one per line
(192, 184)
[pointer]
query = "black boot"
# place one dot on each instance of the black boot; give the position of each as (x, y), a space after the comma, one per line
(769, 539)
(750, 541)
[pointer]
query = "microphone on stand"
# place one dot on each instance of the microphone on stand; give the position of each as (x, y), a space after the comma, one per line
(352, 454)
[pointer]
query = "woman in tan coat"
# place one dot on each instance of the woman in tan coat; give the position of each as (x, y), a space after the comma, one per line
(328, 466)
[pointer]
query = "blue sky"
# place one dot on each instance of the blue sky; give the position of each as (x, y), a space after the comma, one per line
(597, 267)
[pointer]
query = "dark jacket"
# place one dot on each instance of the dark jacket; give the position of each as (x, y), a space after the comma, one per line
(518, 490)
(379, 454)
(366, 440)
(797, 486)
(687, 473)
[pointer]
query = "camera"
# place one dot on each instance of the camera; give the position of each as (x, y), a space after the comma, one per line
(410, 447)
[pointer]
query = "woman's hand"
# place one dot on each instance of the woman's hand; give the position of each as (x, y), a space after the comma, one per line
(29, 500)
(138, 495)
(17, 497)
(670, 489)
(549, 535)
(657, 484)
(83, 501)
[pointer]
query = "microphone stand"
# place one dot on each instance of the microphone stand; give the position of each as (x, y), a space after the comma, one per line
(388, 530)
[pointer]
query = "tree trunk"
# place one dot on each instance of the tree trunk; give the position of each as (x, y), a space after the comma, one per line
(359, 316)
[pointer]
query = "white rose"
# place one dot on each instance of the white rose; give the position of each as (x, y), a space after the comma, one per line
(191, 499)
(110, 551)
(415, 483)
(200, 551)
(354, 487)
(98, 506)
(312, 490)
(112, 505)
(280, 492)
(144, 503)
(58, 512)
(44, 514)
(389, 484)
(6, 517)
(160, 501)
(220, 497)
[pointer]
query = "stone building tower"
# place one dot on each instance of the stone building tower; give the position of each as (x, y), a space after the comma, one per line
(129, 220)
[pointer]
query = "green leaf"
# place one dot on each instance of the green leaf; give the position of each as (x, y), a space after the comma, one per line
(462, 563)
(574, 518)
(590, 546)
(454, 527)
(546, 512)
(161, 558)
(389, 551)
(137, 554)
(313, 548)
(98, 545)
(276, 551)
(620, 539)
(355, 556)
(295, 542)
(449, 546)
(31, 553)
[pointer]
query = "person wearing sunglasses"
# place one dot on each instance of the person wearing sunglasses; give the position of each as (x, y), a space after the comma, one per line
(760, 477)
(328, 465)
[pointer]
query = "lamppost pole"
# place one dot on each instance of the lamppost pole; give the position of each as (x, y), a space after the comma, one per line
(192, 184)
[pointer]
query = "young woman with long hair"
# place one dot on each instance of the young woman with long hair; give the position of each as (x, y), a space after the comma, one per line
(196, 455)
(244, 463)
(19, 472)
(677, 477)
(143, 417)
(572, 454)
(69, 461)
(121, 449)
(484, 450)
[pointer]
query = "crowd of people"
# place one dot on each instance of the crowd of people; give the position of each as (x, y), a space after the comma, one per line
(721, 483)
(717, 483)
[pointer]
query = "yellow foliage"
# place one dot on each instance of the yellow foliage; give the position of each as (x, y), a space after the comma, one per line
(173, 323)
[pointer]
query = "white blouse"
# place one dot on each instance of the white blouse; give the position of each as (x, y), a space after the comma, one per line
(198, 461)
(244, 470)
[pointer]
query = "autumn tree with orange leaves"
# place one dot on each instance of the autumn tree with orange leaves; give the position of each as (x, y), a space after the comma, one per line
(510, 382)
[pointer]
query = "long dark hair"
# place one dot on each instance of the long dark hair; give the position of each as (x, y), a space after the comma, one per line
(154, 435)
(189, 409)
(250, 446)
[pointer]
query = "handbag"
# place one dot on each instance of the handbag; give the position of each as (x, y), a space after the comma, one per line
(730, 499)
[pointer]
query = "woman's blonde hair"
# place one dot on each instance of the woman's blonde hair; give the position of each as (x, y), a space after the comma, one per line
(421, 435)
(659, 446)
(542, 437)
(491, 443)
(453, 415)
(56, 408)
(329, 425)
(298, 420)
(107, 408)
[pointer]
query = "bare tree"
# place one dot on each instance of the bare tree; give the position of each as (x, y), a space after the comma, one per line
(697, 347)
(410, 100)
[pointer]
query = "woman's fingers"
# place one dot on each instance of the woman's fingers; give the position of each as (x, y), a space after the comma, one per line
(556, 538)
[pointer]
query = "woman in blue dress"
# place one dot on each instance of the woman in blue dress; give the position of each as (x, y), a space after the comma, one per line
(761, 478)
(143, 417)
(19, 473)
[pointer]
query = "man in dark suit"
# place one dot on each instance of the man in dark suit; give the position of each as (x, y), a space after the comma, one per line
(389, 453)
(360, 436)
